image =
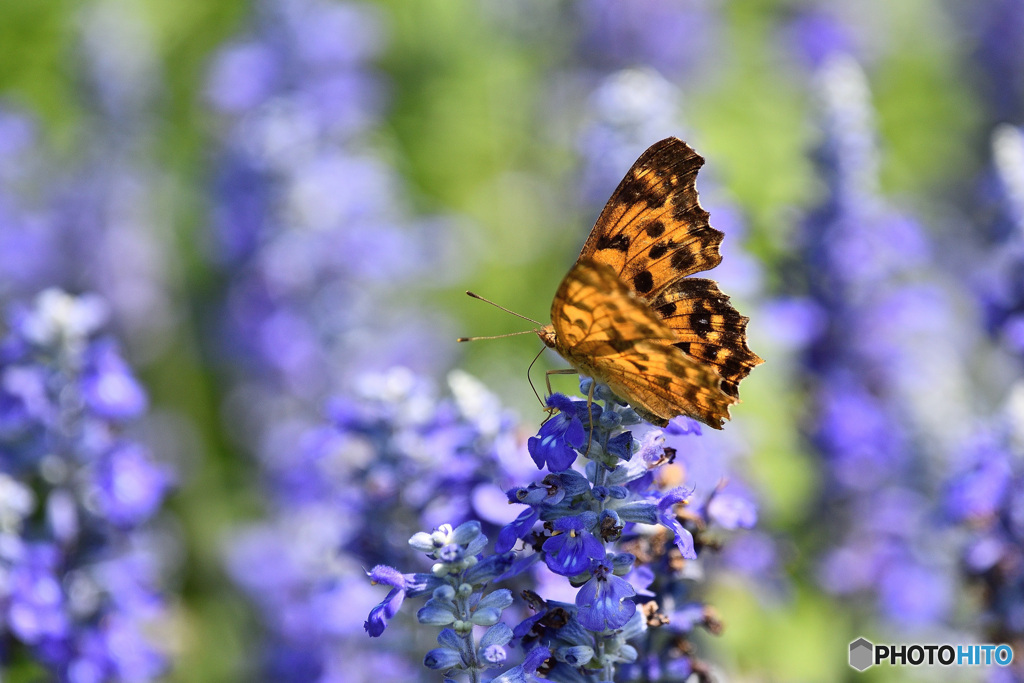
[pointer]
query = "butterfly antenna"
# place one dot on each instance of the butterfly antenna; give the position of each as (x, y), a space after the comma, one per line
(496, 336)
(487, 301)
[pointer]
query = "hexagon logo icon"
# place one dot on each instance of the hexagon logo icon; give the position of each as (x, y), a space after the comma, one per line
(861, 654)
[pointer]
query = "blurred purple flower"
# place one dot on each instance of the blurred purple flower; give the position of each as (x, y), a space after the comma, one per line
(82, 591)
(242, 77)
(731, 511)
(913, 595)
(818, 36)
(108, 386)
(884, 334)
(129, 486)
(672, 36)
(311, 231)
(36, 612)
(994, 28)
(395, 459)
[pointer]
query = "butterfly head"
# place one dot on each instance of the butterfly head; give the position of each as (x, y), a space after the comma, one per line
(547, 335)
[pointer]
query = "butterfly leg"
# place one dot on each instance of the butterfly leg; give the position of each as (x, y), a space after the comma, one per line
(564, 371)
(590, 415)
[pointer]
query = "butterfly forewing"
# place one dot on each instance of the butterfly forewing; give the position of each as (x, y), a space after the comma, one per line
(594, 308)
(653, 230)
(606, 332)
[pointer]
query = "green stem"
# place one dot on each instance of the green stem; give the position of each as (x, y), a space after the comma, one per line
(473, 665)
(474, 671)
(608, 669)
(608, 672)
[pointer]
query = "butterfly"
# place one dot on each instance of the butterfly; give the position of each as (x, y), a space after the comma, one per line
(629, 316)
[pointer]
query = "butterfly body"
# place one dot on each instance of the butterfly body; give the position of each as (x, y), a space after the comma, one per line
(628, 315)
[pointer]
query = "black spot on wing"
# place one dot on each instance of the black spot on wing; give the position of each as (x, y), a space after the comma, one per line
(732, 366)
(656, 197)
(643, 282)
(621, 345)
(631, 190)
(655, 229)
(682, 260)
(659, 250)
(620, 242)
(689, 213)
(700, 322)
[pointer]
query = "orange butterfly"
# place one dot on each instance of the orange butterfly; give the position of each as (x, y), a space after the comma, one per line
(628, 316)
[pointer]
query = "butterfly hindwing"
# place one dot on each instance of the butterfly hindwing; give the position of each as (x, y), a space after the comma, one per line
(669, 384)
(606, 332)
(708, 328)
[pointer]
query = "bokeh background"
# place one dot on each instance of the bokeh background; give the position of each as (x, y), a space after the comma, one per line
(274, 204)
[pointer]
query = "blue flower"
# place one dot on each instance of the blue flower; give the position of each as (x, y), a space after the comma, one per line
(492, 645)
(524, 672)
(652, 447)
(621, 445)
(603, 601)
(571, 552)
(389, 606)
(641, 577)
(554, 444)
(667, 516)
(518, 529)
(443, 658)
(681, 426)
